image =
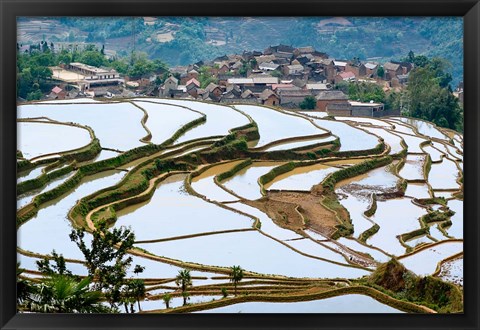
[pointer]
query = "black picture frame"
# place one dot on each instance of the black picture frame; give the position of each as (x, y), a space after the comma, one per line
(10, 9)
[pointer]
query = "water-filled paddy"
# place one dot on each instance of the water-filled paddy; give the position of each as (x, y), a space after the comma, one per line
(435, 154)
(50, 228)
(244, 183)
(425, 261)
(238, 248)
(352, 303)
(417, 190)
(394, 141)
(395, 217)
(205, 185)
(28, 175)
(164, 120)
(298, 144)
(444, 175)
(122, 119)
(274, 125)
(365, 120)
(301, 178)
(452, 271)
(220, 119)
(413, 168)
(456, 229)
(37, 138)
(356, 246)
(174, 212)
(413, 142)
(423, 127)
(351, 138)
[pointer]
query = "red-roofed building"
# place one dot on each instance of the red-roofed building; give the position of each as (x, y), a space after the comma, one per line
(344, 76)
(57, 94)
(280, 86)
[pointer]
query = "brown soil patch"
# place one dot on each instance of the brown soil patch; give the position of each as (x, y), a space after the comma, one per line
(280, 207)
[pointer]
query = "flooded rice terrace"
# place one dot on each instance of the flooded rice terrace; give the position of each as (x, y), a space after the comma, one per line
(307, 206)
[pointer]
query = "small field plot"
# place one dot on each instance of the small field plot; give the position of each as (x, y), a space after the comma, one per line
(351, 138)
(394, 141)
(301, 178)
(395, 217)
(452, 271)
(412, 142)
(425, 262)
(220, 119)
(417, 190)
(253, 252)
(413, 168)
(424, 128)
(50, 228)
(275, 125)
(244, 183)
(41, 138)
(352, 303)
(174, 212)
(108, 120)
(456, 229)
(303, 143)
(164, 120)
(444, 175)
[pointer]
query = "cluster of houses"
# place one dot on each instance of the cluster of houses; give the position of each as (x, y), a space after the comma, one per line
(284, 76)
(281, 76)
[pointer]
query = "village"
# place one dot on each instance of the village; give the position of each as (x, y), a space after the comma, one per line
(280, 76)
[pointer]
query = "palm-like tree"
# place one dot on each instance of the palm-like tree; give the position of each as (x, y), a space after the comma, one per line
(24, 288)
(64, 294)
(184, 280)
(236, 275)
(166, 299)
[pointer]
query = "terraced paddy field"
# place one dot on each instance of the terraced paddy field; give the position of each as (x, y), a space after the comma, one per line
(318, 212)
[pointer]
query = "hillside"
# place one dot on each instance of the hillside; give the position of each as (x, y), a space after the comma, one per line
(184, 40)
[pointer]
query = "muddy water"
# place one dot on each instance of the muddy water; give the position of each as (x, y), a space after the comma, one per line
(205, 185)
(50, 228)
(413, 168)
(435, 154)
(412, 142)
(456, 229)
(164, 120)
(355, 195)
(423, 127)
(417, 190)
(36, 139)
(108, 120)
(425, 262)
(452, 271)
(267, 224)
(253, 251)
(356, 246)
(245, 184)
(220, 119)
(395, 217)
(352, 303)
(391, 139)
(303, 143)
(351, 138)
(444, 175)
(174, 212)
(274, 125)
(301, 178)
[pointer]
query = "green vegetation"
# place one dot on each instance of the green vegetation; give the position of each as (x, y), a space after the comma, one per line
(429, 291)
(236, 276)
(429, 95)
(369, 232)
(308, 103)
(184, 281)
(372, 208)
(233, 170)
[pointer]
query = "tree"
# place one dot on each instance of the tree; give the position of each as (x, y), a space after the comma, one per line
(65, 294)
(106, 258)
(236, 275)
(308, 102)
(166, 299)
(184, 280)
(92, 57)
(381, 72)
(24, 288)
(58, 267)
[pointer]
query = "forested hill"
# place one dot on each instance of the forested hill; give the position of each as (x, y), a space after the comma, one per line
(184, 40)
